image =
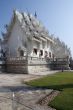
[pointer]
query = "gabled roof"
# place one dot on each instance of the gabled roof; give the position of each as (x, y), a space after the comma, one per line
(29, 24)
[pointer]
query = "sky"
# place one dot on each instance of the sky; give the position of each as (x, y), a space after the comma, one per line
(56, 15)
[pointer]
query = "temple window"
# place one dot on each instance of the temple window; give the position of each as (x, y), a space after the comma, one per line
(21, 53)
(50, 54)
(35, 51)
(41, 52)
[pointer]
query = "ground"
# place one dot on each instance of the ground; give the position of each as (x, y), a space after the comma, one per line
(62, 81)
(14, 95)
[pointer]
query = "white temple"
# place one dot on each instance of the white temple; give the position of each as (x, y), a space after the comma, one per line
(27, 36)
(27, 47)
(27, 44)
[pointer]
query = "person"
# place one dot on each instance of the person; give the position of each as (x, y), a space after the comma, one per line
(62, 69)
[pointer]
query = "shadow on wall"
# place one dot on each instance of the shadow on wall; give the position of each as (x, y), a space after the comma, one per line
(17, 65)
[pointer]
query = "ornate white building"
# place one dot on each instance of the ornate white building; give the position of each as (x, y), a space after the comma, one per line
(28, 48)
(27, 36)
(26, 44)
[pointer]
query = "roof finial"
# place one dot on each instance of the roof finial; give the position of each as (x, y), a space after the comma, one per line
(35, 14)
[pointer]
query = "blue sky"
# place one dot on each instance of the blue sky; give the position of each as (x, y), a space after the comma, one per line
(56, 15)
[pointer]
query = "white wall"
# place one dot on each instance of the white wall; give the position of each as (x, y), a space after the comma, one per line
(15, 39)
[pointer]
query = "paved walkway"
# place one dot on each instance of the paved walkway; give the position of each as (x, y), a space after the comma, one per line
(17, 96)
(16, 79)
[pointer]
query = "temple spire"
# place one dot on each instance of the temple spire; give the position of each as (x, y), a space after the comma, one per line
(35, 14)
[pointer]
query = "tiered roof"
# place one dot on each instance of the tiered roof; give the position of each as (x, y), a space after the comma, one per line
(30, 25)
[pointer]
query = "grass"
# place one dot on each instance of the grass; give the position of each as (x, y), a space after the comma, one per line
(64, 101)
(60, 81)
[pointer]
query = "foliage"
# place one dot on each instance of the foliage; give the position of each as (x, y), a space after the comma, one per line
(60, 49)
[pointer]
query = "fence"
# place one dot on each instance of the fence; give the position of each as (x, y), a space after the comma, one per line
(27, 64)
(33, 64)
(60, 63)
